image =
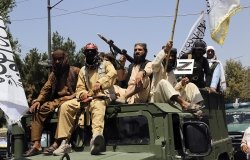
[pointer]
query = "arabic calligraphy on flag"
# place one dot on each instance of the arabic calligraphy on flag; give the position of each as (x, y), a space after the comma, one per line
(197, 32)
(12, 97)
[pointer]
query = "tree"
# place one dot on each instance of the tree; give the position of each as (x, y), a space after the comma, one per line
(75, 59)
(69, 45)
(6, 6)
(35, 73)
(237, 78)
(36, 65)
(79, 59)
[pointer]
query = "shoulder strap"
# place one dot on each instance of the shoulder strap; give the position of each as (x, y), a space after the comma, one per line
(130, 67)
(143, 65)
(213, 66)
(102, 69)
(86, 76)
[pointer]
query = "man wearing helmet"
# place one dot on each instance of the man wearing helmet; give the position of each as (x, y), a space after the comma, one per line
(59, 88)
(92, 60)
(94, 78)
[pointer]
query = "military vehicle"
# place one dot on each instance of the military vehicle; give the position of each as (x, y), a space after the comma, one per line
(150, 131)
(238, 120)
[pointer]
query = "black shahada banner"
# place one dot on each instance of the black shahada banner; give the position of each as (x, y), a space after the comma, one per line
(197, 32)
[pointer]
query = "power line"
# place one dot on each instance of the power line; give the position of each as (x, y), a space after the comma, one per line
(111, 16)
(22, 1)
(100, 6)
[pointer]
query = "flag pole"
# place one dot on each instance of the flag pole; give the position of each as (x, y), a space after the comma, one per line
(175, 18)
(173, 29)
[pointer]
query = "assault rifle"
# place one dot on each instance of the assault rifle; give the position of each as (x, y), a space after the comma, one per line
(115, 50)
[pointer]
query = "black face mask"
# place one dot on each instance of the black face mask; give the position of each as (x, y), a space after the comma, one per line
(90, 57)
(198, 54)
(171, 65)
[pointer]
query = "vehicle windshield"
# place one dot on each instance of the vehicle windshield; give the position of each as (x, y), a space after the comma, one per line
(238, 117)
(238, 114)
(127, 130)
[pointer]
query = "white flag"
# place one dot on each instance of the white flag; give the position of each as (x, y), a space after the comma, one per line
(219, 12)
(197, 32)
(12, 97)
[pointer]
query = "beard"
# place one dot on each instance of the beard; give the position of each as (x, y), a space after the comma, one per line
(60, 68)
(139, 59)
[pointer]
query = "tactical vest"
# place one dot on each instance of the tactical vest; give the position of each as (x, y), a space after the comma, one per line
(101, 72)
(197, 77)
(130, 67)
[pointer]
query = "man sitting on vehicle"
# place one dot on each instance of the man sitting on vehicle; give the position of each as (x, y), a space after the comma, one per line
(94, 78)
(59, 88)
(164, 85)
(137, 77)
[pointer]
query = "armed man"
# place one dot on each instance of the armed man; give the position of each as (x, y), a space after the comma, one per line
(137, 77)
(94, 78)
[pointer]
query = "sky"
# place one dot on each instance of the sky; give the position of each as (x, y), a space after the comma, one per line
(126, 22)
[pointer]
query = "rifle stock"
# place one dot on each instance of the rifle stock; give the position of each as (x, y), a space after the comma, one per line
(117, 49)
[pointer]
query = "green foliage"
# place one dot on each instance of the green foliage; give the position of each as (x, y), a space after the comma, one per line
(6, 6)
(35, 65)
(237, 78)
(69, 45)
(79, 59)
(35, 73)
(75, 59)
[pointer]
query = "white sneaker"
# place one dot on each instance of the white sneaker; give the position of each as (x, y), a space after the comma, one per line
(97, 145)
(63, 148)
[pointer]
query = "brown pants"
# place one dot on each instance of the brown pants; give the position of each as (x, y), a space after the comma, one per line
(40, 116)
(67, 117)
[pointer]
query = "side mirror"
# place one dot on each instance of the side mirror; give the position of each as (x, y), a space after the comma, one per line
(196, 138)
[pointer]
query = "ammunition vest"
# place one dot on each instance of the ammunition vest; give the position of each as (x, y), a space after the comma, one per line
(101, 72)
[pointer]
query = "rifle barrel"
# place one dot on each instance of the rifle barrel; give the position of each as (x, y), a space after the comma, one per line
(117, 49)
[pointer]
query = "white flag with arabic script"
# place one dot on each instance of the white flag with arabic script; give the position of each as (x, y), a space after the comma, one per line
(220, 12)
(197, 32)
(12, 97)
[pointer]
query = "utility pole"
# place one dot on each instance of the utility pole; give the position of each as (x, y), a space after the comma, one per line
(49, 28)
(49, 33)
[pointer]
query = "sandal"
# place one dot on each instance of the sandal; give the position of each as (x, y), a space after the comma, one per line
(49, 151)
(32, 152)
(195, 109)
